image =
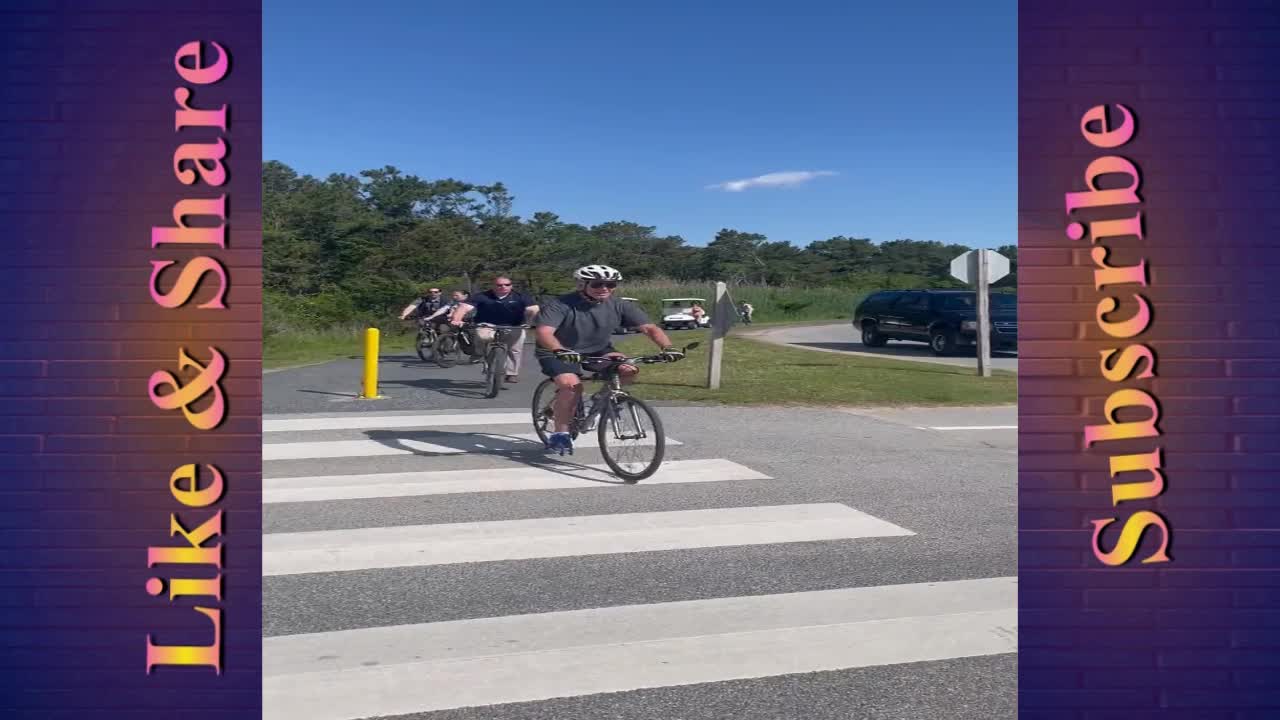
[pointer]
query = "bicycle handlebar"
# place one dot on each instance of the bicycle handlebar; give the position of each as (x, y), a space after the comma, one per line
(472, 324)
(644, 359)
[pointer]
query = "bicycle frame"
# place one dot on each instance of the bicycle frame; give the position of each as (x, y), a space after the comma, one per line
(501, 335)
(604, 407)
(504, 337)
(600, 400)
(606, 397)
(464, 338)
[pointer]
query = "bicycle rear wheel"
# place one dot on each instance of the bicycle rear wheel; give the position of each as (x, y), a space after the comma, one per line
(631, 439)
(495, 370)
(544, 397)
(544, 418)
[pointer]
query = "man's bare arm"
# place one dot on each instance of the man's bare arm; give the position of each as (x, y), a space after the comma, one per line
(656, 334)
(546, 337)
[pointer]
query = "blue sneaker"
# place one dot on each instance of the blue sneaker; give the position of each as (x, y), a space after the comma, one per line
(561, 442)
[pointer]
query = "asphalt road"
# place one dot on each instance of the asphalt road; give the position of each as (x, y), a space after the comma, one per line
(841, 337)
(404, 380)
(423, 560)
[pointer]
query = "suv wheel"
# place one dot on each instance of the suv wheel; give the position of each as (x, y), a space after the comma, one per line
(942, 342)
(871, 336)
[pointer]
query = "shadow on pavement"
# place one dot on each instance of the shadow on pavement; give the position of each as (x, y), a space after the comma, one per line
(408, 358)
(327, 392)
(470, 390)
(415, 363)
(528, 452)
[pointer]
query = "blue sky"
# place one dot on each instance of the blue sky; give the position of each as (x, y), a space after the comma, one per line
(603, 111)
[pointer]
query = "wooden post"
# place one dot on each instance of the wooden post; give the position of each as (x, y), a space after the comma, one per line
(720, 323)
(984, 316)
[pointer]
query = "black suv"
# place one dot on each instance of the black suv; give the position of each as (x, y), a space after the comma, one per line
(946, 319)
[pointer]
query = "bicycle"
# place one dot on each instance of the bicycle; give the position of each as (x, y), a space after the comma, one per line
(452, 344)
(495, 356)
(613, 405)
(426, 341)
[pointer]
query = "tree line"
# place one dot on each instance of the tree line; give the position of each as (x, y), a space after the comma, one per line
(362, 245)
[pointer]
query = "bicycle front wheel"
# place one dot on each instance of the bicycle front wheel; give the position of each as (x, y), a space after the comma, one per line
(631, 439)
(426, 346)
(495, 371)
(446, 351)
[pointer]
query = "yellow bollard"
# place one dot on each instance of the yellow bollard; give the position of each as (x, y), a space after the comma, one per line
(370, 383)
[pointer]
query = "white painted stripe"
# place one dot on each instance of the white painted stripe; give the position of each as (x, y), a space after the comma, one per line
(350, 448)
(968, 427)
(404, 484)
(437, 666)
(444, 544)
(360, 421)
(465, 442)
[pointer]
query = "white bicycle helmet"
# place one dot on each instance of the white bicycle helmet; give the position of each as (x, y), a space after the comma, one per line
(597, 272)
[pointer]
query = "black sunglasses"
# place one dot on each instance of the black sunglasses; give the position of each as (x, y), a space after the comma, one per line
(597, 285)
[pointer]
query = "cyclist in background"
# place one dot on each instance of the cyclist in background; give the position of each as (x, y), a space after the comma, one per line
(426, 304)
(457, 297)
(580, 324)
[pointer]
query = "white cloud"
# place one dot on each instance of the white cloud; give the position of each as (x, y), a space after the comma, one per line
(778, 179)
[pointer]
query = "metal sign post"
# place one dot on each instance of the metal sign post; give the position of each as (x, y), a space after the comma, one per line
(721, 320)
(984, 317)
(980, 268)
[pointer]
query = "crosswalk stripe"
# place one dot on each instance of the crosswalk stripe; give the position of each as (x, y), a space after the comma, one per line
(444, 544)
(436, 666)
(466, 442)
(523, 477)
(351, 448)
(364, 422)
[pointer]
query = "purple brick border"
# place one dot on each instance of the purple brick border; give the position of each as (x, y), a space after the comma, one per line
(1193, 637)
(87, 145)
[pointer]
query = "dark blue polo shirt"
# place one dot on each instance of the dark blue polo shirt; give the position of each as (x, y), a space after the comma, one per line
(505, 311)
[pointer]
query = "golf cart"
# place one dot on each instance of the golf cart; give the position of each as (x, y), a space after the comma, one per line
(625, 330)
(677, 313)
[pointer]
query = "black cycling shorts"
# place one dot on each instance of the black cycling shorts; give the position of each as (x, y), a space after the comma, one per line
(553, 366)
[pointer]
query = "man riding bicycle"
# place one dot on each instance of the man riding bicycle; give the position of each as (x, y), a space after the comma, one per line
(581, 324)
(499, 306)
(426, 305)
(432, 311)
(444, 311)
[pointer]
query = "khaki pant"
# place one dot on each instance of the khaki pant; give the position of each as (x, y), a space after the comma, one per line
(514, 350)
